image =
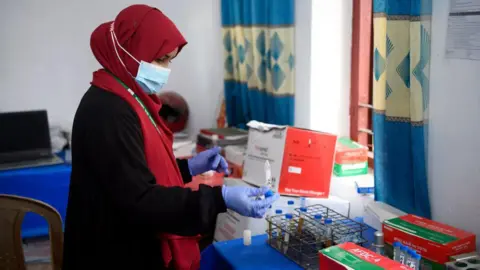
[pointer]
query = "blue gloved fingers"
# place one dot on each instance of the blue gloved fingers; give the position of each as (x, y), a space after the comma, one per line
(216, 161)
(259, 213)
(260, 207)
(223, 166)
(265, 203)
(212, 152)
(251, 192)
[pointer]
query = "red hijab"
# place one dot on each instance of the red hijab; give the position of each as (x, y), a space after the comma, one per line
(147, 34)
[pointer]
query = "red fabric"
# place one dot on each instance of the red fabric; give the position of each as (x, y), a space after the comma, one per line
(147, 34)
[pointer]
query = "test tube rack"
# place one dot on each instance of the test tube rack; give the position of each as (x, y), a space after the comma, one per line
(472, 263)
(343, 228)
(301, 237)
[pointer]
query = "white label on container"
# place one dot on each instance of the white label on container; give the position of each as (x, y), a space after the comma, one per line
(296, 170)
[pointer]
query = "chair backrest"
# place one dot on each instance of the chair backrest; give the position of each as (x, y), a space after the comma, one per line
(12, 212)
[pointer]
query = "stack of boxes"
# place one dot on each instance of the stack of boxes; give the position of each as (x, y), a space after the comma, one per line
(301, 166)
(436, 242)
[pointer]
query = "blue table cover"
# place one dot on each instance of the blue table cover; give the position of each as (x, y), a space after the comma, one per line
(49, 184)
(234, 255)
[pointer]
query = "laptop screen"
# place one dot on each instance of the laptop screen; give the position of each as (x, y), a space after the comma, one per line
(24, 132)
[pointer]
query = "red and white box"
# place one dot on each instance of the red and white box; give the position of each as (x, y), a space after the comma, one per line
(301, 160)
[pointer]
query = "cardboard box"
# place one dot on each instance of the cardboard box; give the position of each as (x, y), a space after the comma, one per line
(353, 190)
(234, 154)
(350, 256)
(301, 160)
(351, 158)
(231, 225)
(436, 242)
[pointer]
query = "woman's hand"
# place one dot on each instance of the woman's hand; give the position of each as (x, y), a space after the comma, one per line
(206, 161)
(244, 200)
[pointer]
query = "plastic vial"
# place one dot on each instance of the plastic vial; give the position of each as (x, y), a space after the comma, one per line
(286, 227)
(290, 207)
(303, 202)
(378, 245)
(403, 254)
(303, 212)
(328, 232)
(318, 231)
(269, 222)
(416, 261)
(410, 255)
(279, 230)
(396, 251)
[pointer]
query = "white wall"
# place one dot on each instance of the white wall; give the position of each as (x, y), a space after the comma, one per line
(331, 37)
(46, 62)
(303, 31)
(454, 147)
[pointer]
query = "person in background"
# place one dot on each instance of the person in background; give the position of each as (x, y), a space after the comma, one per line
(127, 206)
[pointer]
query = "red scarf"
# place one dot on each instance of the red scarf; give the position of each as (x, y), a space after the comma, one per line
(147, 34)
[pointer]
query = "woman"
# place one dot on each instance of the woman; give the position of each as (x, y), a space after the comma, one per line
(127, 206)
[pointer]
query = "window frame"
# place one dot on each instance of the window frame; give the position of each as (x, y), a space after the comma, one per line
(361, 108)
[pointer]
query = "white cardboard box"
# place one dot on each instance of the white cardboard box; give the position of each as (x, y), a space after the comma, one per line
(231, 225)
(301, 160)
(347, 188)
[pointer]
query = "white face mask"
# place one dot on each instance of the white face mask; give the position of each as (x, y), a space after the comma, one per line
(150, 77)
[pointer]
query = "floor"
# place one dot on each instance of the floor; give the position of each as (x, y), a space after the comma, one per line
(37, 254)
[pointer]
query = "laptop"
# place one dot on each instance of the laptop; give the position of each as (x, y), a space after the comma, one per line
(25, 140)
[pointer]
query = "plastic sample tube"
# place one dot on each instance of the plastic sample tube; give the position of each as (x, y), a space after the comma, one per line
(286, 228)
(328, 232)
(396, 251)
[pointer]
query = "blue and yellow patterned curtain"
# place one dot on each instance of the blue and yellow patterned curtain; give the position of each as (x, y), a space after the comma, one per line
(258, 39)
(400, 100)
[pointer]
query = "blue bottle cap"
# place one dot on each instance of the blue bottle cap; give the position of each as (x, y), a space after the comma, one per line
(269, 194)
(290, 202)
(303, 209)
(403, 248)
(411, 252)
(318, 216)
(397, 244)
(417, 256)
(328, 221)
(278, 211)
(288, 216)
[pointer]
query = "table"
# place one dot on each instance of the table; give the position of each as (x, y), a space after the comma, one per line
(49, 184)
(234, 255)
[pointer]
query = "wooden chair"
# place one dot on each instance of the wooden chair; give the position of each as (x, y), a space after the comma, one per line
(12, 212)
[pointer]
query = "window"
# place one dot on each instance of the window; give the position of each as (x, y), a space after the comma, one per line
(361, 103)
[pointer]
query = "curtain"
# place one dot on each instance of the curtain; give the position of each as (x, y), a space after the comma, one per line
(258, 39)
(400, 99)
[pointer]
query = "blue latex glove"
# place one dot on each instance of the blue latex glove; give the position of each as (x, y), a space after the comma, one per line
(244, 201)
(208, 160)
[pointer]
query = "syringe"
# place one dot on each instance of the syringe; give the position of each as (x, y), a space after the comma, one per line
(268, 180)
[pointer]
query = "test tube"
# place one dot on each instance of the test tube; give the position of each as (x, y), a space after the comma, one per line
(303, 202)
(318, 231)
(396, 251)
(303, 211)
(290, 206)
(286, 225)
(269, 223)
(328, 232)
(403, 254)
(416, 261)
(409, 259)
(279, 230)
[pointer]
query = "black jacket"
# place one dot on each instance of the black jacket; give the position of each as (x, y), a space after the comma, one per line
(114, 207)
